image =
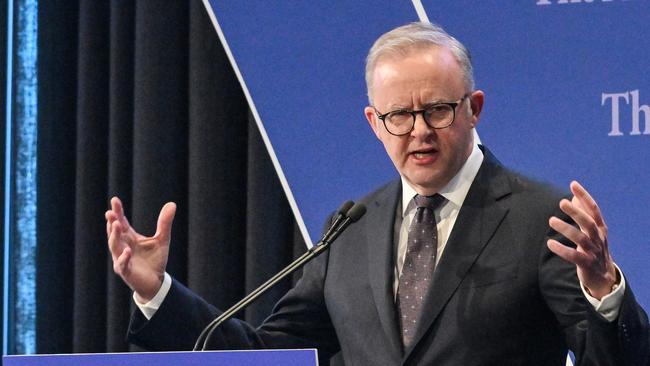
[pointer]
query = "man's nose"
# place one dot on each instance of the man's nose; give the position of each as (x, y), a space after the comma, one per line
(421, 127)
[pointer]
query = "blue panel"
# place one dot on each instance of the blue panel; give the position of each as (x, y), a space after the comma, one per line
(303, 63)
(544, 69)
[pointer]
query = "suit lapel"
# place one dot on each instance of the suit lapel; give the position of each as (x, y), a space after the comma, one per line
(477, 221)
(379, 229)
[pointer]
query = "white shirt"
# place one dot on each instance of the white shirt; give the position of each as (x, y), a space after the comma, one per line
(455, 192)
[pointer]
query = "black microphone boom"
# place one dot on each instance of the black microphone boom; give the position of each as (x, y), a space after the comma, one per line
(347, 214)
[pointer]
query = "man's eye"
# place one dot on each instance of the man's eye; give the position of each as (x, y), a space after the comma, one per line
(438, 111)
(399, 115)
(437, 108)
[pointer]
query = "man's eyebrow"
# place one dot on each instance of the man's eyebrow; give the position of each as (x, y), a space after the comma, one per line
(398, 107)
(435, 101)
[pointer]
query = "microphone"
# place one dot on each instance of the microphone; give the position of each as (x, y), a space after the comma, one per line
(341, 214)
(353, 215)
(347, 214)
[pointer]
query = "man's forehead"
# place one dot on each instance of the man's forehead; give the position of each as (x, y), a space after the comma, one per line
(428, 69)
(431, 50)
(404, 66)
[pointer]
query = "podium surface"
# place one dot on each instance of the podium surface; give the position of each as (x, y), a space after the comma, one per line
(306, 357)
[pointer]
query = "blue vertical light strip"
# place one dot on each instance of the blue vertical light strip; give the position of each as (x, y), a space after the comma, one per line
(6, 293)
(25, 198)
(20, 236)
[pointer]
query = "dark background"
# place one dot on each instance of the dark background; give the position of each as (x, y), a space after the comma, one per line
(137, 99)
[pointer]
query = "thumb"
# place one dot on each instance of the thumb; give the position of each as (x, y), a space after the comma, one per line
(165, 219)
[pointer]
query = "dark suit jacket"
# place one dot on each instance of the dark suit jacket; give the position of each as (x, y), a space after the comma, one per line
(499, 296)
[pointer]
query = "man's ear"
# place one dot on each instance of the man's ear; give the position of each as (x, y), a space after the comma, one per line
(373, 121)
(476, 100)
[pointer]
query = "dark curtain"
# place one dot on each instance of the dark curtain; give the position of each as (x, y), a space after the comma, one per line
(138, 100)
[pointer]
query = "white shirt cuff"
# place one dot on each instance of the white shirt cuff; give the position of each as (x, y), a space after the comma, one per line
(150, 308)
(610, 305)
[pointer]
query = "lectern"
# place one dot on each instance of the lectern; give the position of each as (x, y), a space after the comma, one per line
(305, 357)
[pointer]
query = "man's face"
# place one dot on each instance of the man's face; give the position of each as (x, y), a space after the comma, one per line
(427, 158)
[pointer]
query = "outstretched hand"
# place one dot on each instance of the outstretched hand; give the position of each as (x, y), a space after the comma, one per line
(139, 260)
(591, 256)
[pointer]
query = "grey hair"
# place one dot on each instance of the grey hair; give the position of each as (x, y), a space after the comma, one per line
(401, 40)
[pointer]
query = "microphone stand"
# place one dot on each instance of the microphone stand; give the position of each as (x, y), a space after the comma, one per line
(335, 230)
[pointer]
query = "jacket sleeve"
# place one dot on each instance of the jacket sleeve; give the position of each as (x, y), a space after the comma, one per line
(594, 340)
(299, 320)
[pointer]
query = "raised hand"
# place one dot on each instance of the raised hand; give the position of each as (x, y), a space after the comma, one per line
(591, 256)
(139, 260)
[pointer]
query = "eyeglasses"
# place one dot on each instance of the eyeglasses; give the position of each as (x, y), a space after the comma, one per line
(438, 115)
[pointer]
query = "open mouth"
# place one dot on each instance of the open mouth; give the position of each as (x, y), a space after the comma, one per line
(424, 152)
(424, 155)
(420, 155)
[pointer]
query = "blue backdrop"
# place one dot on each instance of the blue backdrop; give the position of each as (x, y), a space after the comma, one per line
(566, 83)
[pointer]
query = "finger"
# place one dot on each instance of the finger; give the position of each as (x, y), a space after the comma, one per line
(165, 219)
(568, 254)
(114, 241)
(108, 223)
(572, 233)
(584, 221)
(118, 208)
(587, 203)
(110, 218)
(120, 265)
(590, 206)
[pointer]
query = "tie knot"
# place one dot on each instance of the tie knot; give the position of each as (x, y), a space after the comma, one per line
(431, 202)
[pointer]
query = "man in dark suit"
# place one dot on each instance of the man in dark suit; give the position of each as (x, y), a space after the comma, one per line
(499, 286)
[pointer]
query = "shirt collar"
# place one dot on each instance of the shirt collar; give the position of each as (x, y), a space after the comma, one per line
(456, 190)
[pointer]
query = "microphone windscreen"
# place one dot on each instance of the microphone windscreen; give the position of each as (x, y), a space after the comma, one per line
(356, 212)
(345, 207)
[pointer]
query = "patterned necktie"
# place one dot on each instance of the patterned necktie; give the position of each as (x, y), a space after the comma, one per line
(419, 263)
